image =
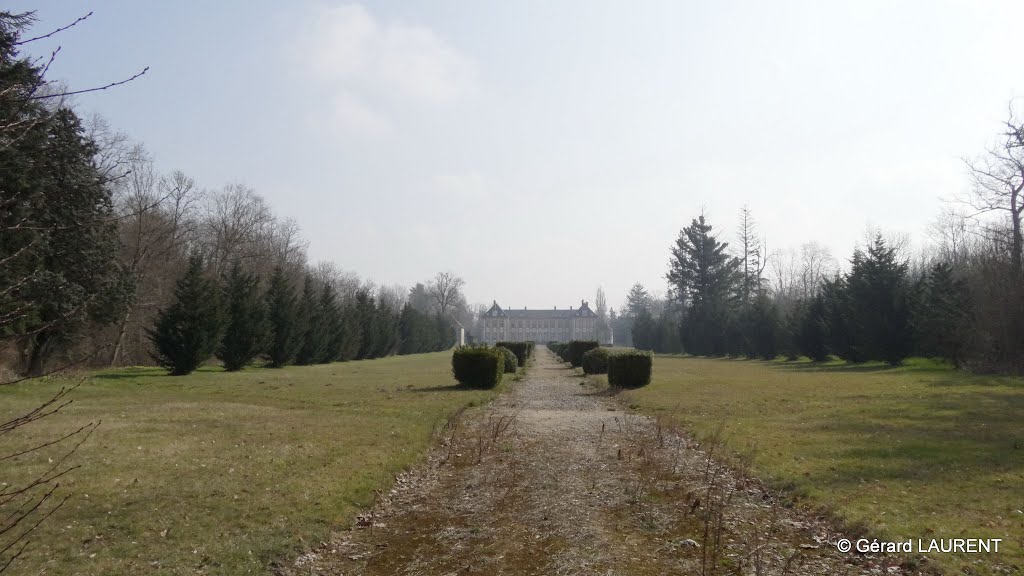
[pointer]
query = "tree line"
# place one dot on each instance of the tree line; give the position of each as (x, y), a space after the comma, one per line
(959, 299)
(106, 261)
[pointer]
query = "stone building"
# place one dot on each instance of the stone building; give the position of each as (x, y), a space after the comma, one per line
(498, 324)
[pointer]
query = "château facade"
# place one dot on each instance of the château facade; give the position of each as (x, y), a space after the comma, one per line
(504, 324)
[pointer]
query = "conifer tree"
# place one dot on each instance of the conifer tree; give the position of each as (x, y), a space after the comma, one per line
(366, 316)
(879, 308)
(644, 330)
(187, 332)
(705, 277)
(281, 311)
(762, 327)
(940, 319)
(351, 338)
(811, 334)
(332, 322)
(312, 339)
(245, 335)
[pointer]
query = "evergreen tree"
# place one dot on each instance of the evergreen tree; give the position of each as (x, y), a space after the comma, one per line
(812, 336)
(332, 322)
(835, 320)
(705, 278)
(879, 307)
(762, 328)
(187, 332)
(313, 339)
(281, 309)
(385, 326)
(351, 333)
(58, 249)
(444, 333)
(246, 333)
(644, 330)
(366, 316)
(940, 318)
(637, 299)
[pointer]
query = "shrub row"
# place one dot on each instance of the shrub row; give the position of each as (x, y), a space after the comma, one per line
(522, 350)
(629, 369)
(595, 361)
(576, 349)
(478, 366)
(511, 361)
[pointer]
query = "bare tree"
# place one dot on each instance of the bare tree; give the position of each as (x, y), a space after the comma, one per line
(157, 220)
(446, 290)
(236, 220)
(753, 256)
(27, 500)
(603, 326)
(997, 184)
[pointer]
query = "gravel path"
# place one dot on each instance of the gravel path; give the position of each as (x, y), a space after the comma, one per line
(556, 478)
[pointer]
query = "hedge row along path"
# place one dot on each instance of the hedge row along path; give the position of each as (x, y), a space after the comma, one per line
(556, 478)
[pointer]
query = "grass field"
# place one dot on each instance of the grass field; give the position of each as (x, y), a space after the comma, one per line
(918, 451)
(226, 473)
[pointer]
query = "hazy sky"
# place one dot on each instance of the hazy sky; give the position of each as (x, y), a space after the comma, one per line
(540, 149)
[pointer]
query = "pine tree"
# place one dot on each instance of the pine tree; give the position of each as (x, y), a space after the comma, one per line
(705, 278)
(644, 330)
(187, 332)
(879, 307)
(312, 339)
(351, 333)
(637, 299)
(246, 333)
(941, 319)
(811, 335)
(332, 322)
(835, 315)
(762, 329)
(281, 310)
(366, 316)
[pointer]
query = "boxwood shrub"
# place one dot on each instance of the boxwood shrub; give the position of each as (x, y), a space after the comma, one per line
(511, 362)
(576, 349)
(478, 366)
(629, 369)
(596, 361)
(522, 350)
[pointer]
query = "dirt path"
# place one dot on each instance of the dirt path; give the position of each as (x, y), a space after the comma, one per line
(554, 478)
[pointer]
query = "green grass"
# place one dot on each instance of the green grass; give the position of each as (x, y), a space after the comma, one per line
(226, 472)
(919, 451)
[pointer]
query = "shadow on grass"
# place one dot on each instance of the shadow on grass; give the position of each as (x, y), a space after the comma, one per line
(131, 373)
(447, 388)
(931, 439)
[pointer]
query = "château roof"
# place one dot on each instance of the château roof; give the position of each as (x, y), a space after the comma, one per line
(583, 311)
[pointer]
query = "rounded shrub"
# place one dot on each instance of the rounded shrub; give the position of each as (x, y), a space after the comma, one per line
(478, 366)
(520, 349)
(511, 362)
(576, 349)
(630, 369)
(595, 361)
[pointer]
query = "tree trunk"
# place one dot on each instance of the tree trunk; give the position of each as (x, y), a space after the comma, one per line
(122, 328)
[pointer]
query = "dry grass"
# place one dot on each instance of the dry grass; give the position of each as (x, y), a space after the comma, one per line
(228, 473)
(918, 451)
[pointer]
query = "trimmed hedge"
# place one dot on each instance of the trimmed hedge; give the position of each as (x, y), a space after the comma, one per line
(522, 350)
(511, 361)
(576, 349)
(478, 366)
(596, 361)
(630, 369)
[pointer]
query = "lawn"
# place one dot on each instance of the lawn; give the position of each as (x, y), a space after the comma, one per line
(919, 451)
(226, 473)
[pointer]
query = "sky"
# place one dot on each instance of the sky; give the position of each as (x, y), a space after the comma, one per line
(542, 149)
